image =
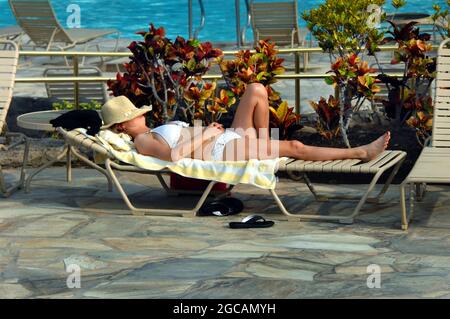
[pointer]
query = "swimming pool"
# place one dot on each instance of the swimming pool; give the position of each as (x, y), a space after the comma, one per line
(130, 16)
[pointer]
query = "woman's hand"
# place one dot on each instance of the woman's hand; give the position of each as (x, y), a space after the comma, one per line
(213, 130)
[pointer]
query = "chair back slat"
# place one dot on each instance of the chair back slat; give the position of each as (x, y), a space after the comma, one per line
(87, 91)
(38, 20)
(9, 57)
(441, 113)
(277, 21)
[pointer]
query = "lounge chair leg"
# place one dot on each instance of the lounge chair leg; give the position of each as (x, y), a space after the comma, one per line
(3, 184)
(43, 167)
(318, 197)
(308, 183)
(25, 161)
(388, 183)
(300, 217)
(202, 198)
(69, 164)
(420, 191)
(120, 188)
(411, 201)
(163, 212)
(405, 219)
(365, 196)
(94, 166)
(282, 207)
(164, 184)
(305, 61)
(6, 192)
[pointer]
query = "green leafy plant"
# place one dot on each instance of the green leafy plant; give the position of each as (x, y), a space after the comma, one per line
(441, 18)
(261, 66)
(397, 4)
(345, 29)
(66, 105)
(168, 75)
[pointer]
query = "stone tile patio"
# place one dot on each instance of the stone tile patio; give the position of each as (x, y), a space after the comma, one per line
(122, 256)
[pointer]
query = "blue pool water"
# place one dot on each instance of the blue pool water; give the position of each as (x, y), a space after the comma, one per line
(130, 16)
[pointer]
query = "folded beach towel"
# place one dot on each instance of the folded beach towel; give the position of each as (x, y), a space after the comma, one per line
(260, 173)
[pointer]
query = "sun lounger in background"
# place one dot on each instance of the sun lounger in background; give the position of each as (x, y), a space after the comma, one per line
(433, 164)
(8, 64)
(279, 22)
(38, 20)
(65, 91)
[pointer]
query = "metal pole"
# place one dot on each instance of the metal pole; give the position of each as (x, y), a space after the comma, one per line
(190, 18)
(248, 23)
(76, 87)
(297, 84)
(202, 19)
(238, 23)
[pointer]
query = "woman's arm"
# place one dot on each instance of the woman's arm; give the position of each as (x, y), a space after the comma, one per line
(190, 146)
(146, 145)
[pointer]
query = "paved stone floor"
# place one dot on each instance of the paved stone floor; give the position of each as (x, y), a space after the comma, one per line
(122, 256)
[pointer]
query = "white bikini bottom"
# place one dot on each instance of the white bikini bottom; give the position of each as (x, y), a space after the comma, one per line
(222, 140)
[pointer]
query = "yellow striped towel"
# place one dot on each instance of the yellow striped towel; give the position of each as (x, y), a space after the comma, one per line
(260, 173)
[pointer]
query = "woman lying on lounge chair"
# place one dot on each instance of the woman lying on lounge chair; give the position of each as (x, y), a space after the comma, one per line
(248, 137)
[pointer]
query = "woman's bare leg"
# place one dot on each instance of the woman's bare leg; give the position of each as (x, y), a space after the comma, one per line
(245, 149)
(253, 112)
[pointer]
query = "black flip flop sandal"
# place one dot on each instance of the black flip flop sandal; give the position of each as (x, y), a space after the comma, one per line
(223, 207)
(252, 221)
(235, 205)
(214, 209)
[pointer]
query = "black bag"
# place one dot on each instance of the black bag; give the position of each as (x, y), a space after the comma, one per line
(87, 119)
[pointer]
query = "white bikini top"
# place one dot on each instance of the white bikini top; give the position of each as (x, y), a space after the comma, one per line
(170, 132)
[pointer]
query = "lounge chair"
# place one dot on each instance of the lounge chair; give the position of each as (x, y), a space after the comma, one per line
(279, 22)
(38, 20)
(87, 91)
(8, 64)
(433, 164)
(376, 167)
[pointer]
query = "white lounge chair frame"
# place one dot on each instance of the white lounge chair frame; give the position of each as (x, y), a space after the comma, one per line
(432, 166)
(8, 66)
(38, 20)
(376, 167)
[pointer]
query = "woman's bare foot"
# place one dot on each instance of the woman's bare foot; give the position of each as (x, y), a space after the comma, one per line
(372, 150)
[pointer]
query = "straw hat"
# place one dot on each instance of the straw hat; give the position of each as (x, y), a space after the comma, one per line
(120, 109)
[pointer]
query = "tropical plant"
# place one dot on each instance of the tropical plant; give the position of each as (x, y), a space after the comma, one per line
(409, 99)
(168, 76)
(328, 114)
(345, 29)
(421, 118)
(441, 18)
(261, 66)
